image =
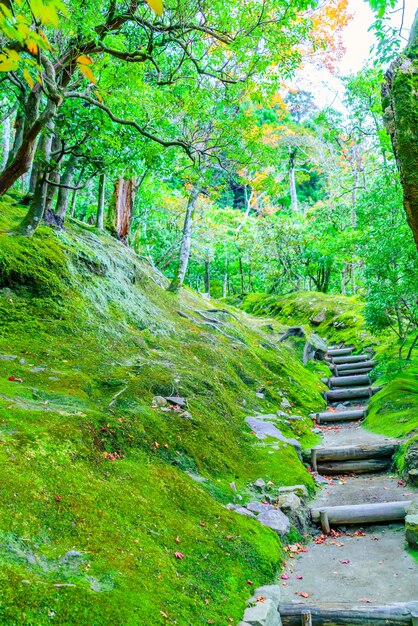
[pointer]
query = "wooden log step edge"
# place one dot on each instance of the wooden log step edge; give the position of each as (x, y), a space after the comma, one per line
(363, 513)
(357, 372)
(323, 614)
(359, 466)
(350, 359)
(352, 366)
(350, 453)
(339, 351)
(346, 381)
(338, 416)
(335, 395)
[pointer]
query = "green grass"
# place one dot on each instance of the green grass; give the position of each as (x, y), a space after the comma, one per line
(99, 320)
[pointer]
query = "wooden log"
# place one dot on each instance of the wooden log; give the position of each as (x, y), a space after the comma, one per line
(363, 513)
(338, 416)
(349, 614)
(323, 518)
(339, 351)
(339, 360)
(352, 453)
(360, 466)
(353, 365)
(336, 395)
(354, 372)
(306, 618)
(348, 381)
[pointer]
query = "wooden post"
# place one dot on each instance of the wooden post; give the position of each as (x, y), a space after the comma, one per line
(323, 518)
(313, 460)
(306, 618)
(414, 617)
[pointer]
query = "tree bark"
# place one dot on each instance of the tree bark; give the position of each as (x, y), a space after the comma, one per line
(6, 141)
(186, 243)
(400, 106)
(120, 210)
(101, 202)
(207, 277)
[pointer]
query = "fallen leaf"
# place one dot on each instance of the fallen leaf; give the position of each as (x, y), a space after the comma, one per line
(177, 539)
(364, 600)
(249, 582)
(345, 561)
(58, 498)
(179, 555)
(303, 594)
(285, 576)
(299, 577)
(163, 614)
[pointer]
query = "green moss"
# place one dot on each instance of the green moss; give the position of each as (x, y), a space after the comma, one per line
(97, 321)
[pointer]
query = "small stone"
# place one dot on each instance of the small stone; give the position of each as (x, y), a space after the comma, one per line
(259, 483)
(36, 370)
(296, 417)
(299, 490)
(282, 413)
(260, 389)
(260, 395)
(276, 520)
(22, 361)
(186, 415)
(7, 357)
(233, 486)
(230, 506)
(177, 400)
(159, 401)
(316, 431)
(243, 511)
(285, 404)
(321, 480)
(259, 507)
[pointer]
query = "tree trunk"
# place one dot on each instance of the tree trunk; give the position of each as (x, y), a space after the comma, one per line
(6, 142)
(186, 243)
(101, 201)
(120, 213)
(64, 192)
(292, 183)
(400, 106)
(207, 277)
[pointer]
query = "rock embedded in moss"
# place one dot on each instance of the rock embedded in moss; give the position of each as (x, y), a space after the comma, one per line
(276, 520)
(411, 525)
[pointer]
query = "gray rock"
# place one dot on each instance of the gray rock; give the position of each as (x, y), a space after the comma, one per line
(271, 592)
(36, 370)
(413, 476)
(321, 480)
(7, 357)
(299, 490)
(296, 417)
(260, 395)
(282, 413)
(411, 525)
(262, 614)
(197, 478)
(259, 507)
(22, 361)
(319, 318)
(276, 520)
(316, 431)
(159, 401)
(265, 429)
(290, 502)
(230, 506)
(186, 415)
(285, 404)
(259, 483)
(243, 511)
(233, 486)
(177, 400)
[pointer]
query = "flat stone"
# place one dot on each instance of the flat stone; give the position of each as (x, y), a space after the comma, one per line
(319, 317)
(299, 490)
(260, 395)
(22, 361)
(321, 480)
(7, 357)
(411, 525)
(290, 502)
(271, 592)
(259, 483)
(177, 400)
(186, 415)
(264, 429)
(413, 476)
(276, 520)
(36, 370)
(262, 614)
(197, 478)
(259, 507)
(243, 511)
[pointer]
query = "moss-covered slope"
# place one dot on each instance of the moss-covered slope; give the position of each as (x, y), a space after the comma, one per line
(96, 492)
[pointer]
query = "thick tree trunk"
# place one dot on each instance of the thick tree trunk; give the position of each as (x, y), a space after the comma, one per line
(64, 192)
(101, 202)
(292, 182)
(186, 243)
(400, 106)
(120, 213)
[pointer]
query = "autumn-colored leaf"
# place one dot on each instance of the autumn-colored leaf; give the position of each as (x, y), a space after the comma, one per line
(303, 594)
(179, 555)
(285, 576)
(83, 59)
(299, 577)
(84, 69)
(156, 6)
(58, 498)
(28, 78)
(345, 561)
(177, 539)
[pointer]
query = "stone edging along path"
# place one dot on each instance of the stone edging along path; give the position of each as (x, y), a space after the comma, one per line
(357, 569)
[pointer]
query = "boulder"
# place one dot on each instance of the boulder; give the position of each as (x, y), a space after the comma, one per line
(176, 400)
(259, 507)
(413, 476)
(264, 429)
(260, 395)
(276, 520)
(290, 502)
(299, 490)
(262, 614)
(159, 401)
(411, 525)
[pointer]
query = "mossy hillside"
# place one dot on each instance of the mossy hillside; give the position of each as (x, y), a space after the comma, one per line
(107, 326)
(344, 320)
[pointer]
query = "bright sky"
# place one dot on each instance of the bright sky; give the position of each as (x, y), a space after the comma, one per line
(357, 41)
